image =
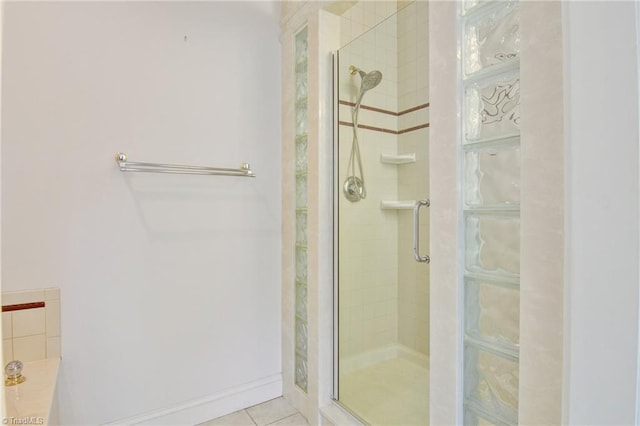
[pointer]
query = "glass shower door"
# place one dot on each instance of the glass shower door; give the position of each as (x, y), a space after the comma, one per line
(382, 184)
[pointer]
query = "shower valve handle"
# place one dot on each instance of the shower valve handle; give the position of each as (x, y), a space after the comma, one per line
(416, 233)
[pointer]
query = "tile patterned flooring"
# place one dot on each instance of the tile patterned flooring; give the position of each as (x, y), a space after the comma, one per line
(276, 412)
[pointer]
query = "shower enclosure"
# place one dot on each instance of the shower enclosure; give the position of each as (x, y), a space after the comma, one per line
(485, 315)
(382, 241)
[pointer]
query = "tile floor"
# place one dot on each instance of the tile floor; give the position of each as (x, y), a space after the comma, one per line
(276, 412)
(393, 392)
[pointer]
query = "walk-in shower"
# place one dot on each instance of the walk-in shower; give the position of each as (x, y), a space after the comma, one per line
(354, 188)
(383, 292)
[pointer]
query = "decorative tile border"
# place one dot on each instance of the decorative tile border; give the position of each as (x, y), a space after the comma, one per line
(22, 306)
(364, 126)
(388, 112)
(383, 130)
(385, 111)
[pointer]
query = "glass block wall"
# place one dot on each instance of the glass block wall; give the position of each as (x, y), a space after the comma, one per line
(301, 334)
(490, 64)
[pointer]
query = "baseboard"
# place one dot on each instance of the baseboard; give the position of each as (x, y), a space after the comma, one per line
(334, 414)
(376, 356)
(212, 406)
(367, 359)
(414, 356)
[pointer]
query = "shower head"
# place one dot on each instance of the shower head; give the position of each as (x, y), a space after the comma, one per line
(369, 80)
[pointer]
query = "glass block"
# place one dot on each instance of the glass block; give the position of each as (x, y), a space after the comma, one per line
(301, 373)
(301, 336)
(301, 264)
(491, 381)
(301, 227)
(492, 312)
(301, 120)
(301, 45)
(301, 83)
(492, 243)
(492, 176)
(492, 107)
(301, 154)
(301, 191)
(469, 4)
(491, 38)
(301, 300)
(471, 418)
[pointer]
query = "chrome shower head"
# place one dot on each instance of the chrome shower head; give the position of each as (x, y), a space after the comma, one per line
(369, 80)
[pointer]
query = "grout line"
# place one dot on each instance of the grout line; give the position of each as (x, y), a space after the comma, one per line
(279, 420)
(252, 419)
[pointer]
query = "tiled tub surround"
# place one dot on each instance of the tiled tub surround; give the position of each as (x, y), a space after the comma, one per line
(31, 325)
(36, 397)
(31, 334)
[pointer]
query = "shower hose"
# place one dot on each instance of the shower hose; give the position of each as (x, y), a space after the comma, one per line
(354, 167)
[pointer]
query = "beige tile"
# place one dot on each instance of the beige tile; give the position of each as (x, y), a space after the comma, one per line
(389, 392)
(28, 322)
(30, 348)
(53, 347)
(7, 331)
(270, 411)
(18, 297)
(294, 420)
(52, 293)
(239, 418)
(326, 422)
(52, 318)
(7, 350)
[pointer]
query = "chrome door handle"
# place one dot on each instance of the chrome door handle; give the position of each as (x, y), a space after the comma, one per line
(416, 235)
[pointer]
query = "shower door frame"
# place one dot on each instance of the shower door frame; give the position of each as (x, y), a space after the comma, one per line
(335, 62)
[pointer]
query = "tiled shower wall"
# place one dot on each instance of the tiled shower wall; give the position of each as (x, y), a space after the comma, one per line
(384, 292)
(362, 16)
(413, 92)
(368, 262)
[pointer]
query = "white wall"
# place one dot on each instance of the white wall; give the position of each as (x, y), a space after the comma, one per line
(170, 284)
(601, 83)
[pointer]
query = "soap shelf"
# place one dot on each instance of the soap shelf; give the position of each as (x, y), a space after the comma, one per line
(397, 205)
(398, 158)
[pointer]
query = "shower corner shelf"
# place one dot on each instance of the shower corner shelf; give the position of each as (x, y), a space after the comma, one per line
(397, 205)
(398, 158)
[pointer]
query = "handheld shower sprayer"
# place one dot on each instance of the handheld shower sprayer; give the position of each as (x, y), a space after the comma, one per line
(353, 188)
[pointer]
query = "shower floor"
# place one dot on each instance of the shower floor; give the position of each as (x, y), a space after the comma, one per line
(393, 392)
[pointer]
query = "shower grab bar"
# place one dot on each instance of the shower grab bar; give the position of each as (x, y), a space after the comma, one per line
(416, 236)
(397, 205)
(134, 166)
